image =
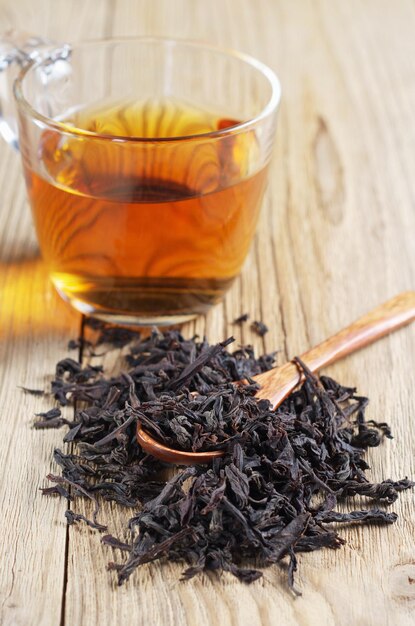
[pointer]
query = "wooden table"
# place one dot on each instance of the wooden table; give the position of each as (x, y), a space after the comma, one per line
(336, 238)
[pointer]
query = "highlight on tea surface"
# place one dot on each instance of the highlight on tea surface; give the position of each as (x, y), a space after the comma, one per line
(155, 228)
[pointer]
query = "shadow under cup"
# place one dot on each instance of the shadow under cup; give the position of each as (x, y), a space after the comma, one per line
(146, 162)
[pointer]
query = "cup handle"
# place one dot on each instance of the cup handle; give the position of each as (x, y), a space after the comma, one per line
(17, 49)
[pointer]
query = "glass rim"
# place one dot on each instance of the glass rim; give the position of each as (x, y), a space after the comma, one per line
(64, 128)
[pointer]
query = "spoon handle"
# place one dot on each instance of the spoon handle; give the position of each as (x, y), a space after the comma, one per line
(386, 318)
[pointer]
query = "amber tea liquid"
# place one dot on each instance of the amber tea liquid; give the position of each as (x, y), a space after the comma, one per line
(136, 230)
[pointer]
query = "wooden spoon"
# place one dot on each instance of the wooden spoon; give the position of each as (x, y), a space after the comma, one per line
(279, 382)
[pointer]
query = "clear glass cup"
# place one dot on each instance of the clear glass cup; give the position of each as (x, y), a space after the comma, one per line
(145, 162)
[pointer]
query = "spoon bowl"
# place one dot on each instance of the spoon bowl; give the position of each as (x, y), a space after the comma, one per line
(279, 382)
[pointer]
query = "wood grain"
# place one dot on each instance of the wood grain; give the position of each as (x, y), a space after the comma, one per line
(335, 240)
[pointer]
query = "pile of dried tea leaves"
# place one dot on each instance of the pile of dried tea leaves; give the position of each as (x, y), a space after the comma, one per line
(272, 495)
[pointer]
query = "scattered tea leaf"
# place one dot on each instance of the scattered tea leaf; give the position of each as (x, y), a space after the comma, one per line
(272, 495)
(259, 328)
(241, 319)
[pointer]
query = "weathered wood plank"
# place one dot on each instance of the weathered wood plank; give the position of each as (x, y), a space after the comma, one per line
(316, 243)
(35, 326)
(34, 329)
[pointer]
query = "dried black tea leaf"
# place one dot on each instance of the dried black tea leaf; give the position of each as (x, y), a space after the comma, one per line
(259, 328)
(72, 518)
(241, 319)
(33, 392)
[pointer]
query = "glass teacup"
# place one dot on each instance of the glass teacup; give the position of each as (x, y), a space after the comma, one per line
(145, 162)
